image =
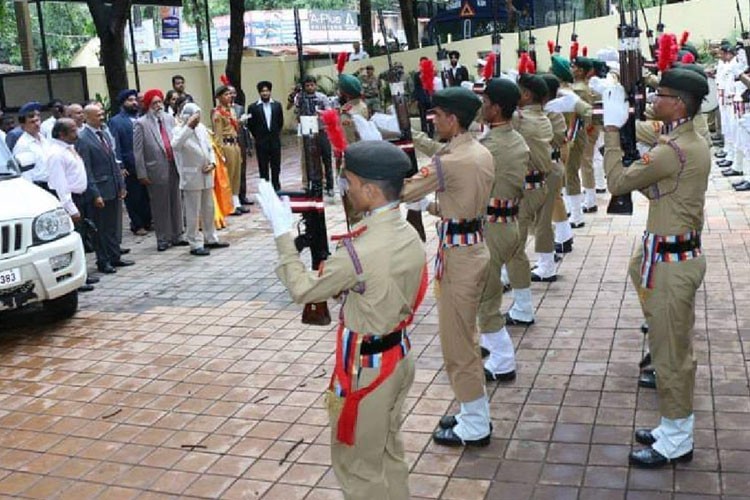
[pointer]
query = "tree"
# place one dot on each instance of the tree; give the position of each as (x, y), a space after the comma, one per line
(109, 20)
(365, 23)
(233, 69)
(410, 23)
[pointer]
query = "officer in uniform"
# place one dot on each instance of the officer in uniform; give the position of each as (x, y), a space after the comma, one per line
(511, 156)
(532, 123)
(461, 173)
(350, 92)
(371, 89)
(668, 267)
(380, 270)
(226, 127)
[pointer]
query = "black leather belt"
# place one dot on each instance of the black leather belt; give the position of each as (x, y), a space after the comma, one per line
(466, 227)
(503, 211)
(376, 345)
(556, 156)
(535, 178)
(229, 140)
(679, 246)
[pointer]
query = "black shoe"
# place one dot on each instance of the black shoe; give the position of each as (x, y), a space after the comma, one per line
(123, 263)
(649, 458)
(577, 226)
(720, 154)
(590, 210)
(92, 280)
(180, 243)
(538, 279)
(509, 320)
(161, 247)
(557, 258)
(743, 187)
(449, 422)
(730, 172)
(329, 193)
(236, 212)
(507, 288)
(217, 244)
(124, 251)
(484, 352)
(644, 436)
(86, 288)
(739, 183)
(200, 252)
(601, 191)
(647, 380)
(564, 247)
(243, 209)
(447, 437)
(644, 328)
(499, 377)
(106, 268)
(717, 137)
(725, 164)
(245, 201)
(645, 362)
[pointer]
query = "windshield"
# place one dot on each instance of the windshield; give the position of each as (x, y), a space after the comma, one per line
(8, 166)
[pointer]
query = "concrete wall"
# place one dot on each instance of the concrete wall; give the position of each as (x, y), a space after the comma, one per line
(704, 19)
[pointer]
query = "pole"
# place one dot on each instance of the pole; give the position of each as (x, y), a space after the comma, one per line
(330, 52)
(210, 50)
(132, 49)
(45, 57)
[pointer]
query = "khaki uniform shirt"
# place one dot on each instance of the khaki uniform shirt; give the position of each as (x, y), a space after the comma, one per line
(355, 106)
(392, 258)
(511, 158)
(468, 172)
(223, 125)
(532, 123)
(676, 192)
(559, 129)
(370, 86)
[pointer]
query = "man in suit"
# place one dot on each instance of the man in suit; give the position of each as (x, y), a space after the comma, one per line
(156, 169)
(265, 123)
(106, 188)
(121, 127)
(457, 73)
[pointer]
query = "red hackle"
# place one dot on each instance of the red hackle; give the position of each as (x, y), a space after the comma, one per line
(585, 51)
(688, 58)
(526, 65)
(330, 117)
(684, 38)
(489, 67)
(667, 51)
(341, 62)
(573, 51)
(224, 79)
(551, 46)
(427, 75)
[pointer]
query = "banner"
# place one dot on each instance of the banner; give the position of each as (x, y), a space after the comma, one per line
(170, 22)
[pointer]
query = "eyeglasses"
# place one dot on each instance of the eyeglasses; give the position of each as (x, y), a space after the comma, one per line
(666, 96)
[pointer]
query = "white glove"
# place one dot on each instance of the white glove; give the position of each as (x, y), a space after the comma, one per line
(245, 117)
(616, 108)
(277, 211)
(420, 205)
(368, 131)
(599, 85)
(565, 103)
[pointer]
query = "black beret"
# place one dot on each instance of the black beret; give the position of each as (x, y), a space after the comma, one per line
(600, 66)
(685, 80)
(553, 84)
(584, 63)
(124, 94)
(535, 84)
(692, 67)
(377, 160)
(458, 101)
(502, 91)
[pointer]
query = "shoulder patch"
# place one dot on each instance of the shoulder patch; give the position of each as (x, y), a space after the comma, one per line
(425, 171)
(646, 159)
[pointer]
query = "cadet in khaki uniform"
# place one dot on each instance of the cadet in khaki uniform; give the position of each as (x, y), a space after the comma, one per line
(225, 127)
(668, 268)
(371, 89)
(511, 156)
(350, 92)
(461, 173)
(532, 123)
(381, 271)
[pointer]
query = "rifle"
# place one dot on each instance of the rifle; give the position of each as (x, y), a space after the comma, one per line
(744, 34)
(442, 57)
(497, 39)
(660, 26)
(405, 142)
(632, 80)
(649, 33)
(574, 35)
(309, 202)
(557, 36)
(531, 47)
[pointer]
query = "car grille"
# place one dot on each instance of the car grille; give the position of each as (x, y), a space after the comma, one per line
(12, 239)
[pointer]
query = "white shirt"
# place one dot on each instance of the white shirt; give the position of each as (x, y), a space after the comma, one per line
(38, 147)
(2, 136)
(359, 56)
(47, 125)
(266, 111)
(67, 173)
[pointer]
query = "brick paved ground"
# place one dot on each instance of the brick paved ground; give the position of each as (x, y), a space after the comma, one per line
(187, 376)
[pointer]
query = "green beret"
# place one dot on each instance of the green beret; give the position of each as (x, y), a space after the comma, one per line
(600, 66)
(377, 160)
(685, 80)
(585, 63)
(535, 84)
(350, 85)
(502, 91)
(553, 84)
(692, 67)
(561, 68)
(458, 101)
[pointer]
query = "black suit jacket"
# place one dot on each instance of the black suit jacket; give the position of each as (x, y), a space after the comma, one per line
(102, 171)
(261, 131)
(461, 75)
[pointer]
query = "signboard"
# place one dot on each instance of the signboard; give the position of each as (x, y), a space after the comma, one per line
(332, 20)
(144, 37)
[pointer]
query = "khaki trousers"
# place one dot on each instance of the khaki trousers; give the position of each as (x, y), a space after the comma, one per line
(233, 159)
(573, 165)
(587, 164)
(502, 242)
(375, 467)
(669, 309)
(544, 234)
(458, 302)
(519, 269)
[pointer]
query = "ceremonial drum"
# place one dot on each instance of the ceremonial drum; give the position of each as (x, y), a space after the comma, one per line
(711, 101)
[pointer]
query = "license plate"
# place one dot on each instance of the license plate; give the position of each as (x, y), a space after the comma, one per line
(10, 277)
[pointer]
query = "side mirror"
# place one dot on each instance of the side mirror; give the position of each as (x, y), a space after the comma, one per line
(25, 160)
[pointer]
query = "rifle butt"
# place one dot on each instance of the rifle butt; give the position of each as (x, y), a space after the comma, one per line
(414, 218)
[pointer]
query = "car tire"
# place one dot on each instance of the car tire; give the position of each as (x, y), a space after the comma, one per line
(62, 307)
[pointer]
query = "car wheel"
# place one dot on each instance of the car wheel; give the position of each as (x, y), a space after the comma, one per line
(62, 307)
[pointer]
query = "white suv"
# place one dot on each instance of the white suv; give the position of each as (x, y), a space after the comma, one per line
(41, 256)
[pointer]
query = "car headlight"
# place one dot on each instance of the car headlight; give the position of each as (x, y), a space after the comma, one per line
(52, 225)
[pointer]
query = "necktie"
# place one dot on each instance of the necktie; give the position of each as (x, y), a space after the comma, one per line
(104, 141)
(165, 140)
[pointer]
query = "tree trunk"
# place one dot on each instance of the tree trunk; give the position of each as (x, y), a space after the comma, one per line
(198, 21)
(365, 23)
(110, 27)
(233, 69)
(410, 23)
